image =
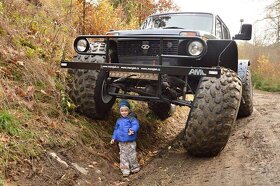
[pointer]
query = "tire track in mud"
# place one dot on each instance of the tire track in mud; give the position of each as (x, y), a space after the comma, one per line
(251, 156)
(265, 148)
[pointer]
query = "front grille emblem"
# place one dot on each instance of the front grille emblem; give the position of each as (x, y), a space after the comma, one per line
(145, 47)
(169, 45)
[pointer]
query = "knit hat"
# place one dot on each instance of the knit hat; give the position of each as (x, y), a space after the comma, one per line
(124, 103)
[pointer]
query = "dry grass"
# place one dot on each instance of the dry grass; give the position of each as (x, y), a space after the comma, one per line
(31, 113)
(32, 103)
(266, 74)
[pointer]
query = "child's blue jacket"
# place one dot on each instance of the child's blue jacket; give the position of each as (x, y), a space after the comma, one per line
(122, 126)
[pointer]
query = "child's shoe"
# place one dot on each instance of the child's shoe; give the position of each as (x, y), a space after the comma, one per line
(135, 170)
(126, 173)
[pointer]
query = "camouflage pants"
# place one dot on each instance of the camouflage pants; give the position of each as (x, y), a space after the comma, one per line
(128, 159)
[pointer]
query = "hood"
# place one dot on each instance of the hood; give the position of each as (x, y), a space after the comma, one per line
(150, 32)
(174, 32)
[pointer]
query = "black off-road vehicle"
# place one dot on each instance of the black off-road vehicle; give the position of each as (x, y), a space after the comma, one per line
(171, 56)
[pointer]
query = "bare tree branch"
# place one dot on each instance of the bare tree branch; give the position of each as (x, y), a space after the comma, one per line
(273, 18)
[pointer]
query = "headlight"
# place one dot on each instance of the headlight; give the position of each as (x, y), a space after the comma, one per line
(195, 48)
(81, 45)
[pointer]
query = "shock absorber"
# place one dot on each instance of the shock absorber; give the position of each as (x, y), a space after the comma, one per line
(185, 88)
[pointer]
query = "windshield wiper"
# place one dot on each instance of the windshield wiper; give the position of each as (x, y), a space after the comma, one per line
(172, 27)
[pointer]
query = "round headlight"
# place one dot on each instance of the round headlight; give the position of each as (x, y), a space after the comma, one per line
(195, 48)
(82, 45)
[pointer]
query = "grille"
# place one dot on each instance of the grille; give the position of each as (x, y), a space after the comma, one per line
(134, 47)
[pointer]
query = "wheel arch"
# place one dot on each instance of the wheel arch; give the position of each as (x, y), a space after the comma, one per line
(221, 52)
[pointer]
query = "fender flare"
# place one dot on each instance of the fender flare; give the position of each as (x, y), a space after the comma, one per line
(243, 66)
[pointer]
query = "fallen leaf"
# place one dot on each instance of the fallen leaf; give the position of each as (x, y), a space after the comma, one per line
(20, 63)
(116, 165)
(54, 124)
(7, 71)
(5, 138)
(30, 92)
(43, 92)
(153, 153)
(19, 92)
(8, 183)
(247, 134)
(142, 161)
(42, 140)
(29, 105)
(90, 166)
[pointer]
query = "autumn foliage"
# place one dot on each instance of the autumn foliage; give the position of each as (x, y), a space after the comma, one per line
(265, 65)
(266, 74)
(105, 15)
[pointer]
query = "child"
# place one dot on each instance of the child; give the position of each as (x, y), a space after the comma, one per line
(126, 134)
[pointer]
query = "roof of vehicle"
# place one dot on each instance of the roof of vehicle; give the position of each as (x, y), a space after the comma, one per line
(167, 13)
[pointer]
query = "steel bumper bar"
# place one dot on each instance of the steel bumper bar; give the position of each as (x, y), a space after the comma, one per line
(156, 69)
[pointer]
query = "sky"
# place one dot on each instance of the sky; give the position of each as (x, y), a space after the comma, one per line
(230, 11)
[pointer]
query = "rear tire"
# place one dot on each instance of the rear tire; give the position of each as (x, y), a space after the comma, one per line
(246, 105)
(213, 114)
(87, 88)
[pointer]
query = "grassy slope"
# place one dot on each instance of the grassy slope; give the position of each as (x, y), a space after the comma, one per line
(35, 117)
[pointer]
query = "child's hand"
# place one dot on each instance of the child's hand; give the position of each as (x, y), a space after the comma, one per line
(130, 132)
(112, 141)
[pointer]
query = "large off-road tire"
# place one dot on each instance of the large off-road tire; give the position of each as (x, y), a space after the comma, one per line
(160, 109)
(246, 105)
(87, 88)
(213, 114)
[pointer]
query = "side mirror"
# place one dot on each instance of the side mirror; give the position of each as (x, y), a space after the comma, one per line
(245, 32)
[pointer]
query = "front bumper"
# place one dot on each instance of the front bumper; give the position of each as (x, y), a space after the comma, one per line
(138, 68)
(159, 66)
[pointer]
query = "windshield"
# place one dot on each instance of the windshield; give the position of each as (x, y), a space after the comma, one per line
(201, 22)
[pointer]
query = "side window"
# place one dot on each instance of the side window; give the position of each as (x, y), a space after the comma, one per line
(226, 32)
(219, 33)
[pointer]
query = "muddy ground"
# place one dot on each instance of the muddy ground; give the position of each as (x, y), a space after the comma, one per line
(251, 156)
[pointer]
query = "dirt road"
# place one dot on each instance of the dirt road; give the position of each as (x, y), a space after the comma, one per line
(251, 157)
